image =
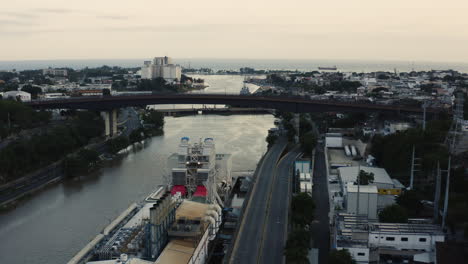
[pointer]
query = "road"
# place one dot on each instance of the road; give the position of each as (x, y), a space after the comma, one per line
(320, 227)
(276, 225)
(247, 245)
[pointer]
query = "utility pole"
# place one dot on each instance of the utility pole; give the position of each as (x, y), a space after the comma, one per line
(424, 116)
(447, 184)
(358, 183)
(437, 195)
(413, 169)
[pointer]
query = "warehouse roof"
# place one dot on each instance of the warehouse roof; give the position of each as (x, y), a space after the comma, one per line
(349, 174)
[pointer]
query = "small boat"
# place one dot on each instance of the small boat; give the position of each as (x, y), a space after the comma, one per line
(328, 68)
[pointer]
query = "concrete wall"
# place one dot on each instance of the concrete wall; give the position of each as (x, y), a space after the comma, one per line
(361, 255)
(385, 240)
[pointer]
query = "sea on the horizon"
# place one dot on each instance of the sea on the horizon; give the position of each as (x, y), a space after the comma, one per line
(235, 64)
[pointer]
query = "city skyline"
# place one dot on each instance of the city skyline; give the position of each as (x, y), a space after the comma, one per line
(366, 30)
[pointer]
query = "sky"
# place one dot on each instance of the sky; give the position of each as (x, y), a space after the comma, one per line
(403, 30)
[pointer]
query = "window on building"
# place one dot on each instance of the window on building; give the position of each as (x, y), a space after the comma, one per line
(404, 239)
(422, 239)
(361, 254)
(390, 238)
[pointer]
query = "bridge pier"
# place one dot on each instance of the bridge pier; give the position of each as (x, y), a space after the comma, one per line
(110, 122)
(296, 121)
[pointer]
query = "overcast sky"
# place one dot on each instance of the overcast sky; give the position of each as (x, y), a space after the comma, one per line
(409, 30)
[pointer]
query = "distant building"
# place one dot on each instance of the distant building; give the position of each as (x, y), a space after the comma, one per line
(55, 72)
(161, 67)
(394, 127)
(17, 95)
(334, 140)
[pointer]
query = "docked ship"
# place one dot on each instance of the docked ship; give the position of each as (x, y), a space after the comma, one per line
(174, 224)
(245, 90)
(328, 68)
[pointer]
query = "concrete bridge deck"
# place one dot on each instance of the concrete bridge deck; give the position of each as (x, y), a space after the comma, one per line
(284, 103)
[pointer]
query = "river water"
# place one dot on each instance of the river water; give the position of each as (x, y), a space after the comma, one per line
(54, 224)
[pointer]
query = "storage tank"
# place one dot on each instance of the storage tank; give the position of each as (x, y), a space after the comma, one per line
(347, 151)
(353, 151)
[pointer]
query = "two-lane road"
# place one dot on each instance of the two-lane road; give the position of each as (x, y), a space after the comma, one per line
(276, 225)
(247, 245)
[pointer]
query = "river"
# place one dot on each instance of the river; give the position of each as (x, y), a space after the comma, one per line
(54, 224)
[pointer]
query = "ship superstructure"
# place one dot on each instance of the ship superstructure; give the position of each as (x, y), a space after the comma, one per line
(199, 173)
(176, 222)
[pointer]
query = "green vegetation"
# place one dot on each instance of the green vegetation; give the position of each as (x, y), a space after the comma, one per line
(411, 201)
(80, 163)
(28, 154)
(302, 207)
(298, 243)
(365, 177)
(153, 125)
(308, 142)
(349, 121)
(338, 85)
(458, 200)
(117, 144)
(393, 152)
(33, 90)
(153, 118)
(297, 247)
(340, 257)
(15, 117)
(393, 214)
(136, 135)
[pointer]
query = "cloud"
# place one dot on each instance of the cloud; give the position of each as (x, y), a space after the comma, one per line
(113, 17)
(14, 22)
(54, 10)
(19, 15)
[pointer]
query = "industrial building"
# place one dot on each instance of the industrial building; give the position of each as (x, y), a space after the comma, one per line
(333, 140)
(369, 241)
(161, 67)
(17, 96)
(382, 180)
(387, 188)
(367, 199)
(55, 72)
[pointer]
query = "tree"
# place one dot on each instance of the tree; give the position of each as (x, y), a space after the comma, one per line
(365, 177)
(308, 142)
(297, 247)
(136, 136)
(117, 144)
(393, 214)
(411, 201)
(302, 209)
(340, 257)
(154, 118)
(33, 90)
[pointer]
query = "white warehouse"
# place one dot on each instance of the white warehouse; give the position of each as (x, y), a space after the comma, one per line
(161, 67)
(368, 240)
(368, 198)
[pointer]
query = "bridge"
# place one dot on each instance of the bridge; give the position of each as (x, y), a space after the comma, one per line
(109, 104)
